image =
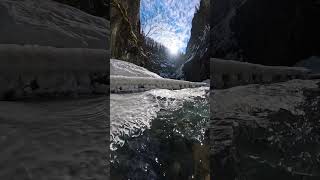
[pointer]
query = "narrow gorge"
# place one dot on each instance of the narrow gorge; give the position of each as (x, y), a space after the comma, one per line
(159, 107)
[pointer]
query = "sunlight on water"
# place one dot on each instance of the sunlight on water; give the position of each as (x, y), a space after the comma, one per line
(159, 133)
(131, 114)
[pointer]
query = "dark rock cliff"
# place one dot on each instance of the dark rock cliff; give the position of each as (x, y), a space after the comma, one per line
(126, 39)
(197, 66)
(268, 32)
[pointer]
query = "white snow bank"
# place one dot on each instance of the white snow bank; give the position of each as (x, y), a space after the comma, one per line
(229, 73)
(123, 68)
(30, 70)
(128, 77)
(137, 84)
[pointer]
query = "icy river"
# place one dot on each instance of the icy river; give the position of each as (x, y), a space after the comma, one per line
(158, 134)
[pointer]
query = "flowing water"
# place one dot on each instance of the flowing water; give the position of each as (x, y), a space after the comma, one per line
(159, 134)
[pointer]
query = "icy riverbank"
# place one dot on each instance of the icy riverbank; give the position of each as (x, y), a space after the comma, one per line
(160, 132)
(265, 131)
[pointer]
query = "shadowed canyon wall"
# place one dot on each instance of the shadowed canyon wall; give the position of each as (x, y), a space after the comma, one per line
(197, 63)
(126, 40)
(268, 32)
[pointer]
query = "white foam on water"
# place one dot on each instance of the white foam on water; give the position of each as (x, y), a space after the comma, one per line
(131, 114)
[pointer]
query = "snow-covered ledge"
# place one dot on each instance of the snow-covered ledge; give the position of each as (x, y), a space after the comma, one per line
(125, 84)
(126, 77)
(229, 73)
(28, 71)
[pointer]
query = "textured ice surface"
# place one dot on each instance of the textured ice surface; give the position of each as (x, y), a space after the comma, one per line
(61, 139)
(242, 100)
(271, 129)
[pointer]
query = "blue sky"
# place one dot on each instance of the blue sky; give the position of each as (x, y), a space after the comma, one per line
(170, 21)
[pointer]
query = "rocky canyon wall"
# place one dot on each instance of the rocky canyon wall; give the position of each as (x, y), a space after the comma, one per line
(126, 39)
(268, 32)
(197, 63)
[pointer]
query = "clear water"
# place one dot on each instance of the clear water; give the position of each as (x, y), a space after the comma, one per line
(159, 134)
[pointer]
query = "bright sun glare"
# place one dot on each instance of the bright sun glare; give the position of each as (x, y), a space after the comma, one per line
(173, 49)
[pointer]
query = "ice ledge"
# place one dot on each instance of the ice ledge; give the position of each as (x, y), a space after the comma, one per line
(29, 71)
(229, 73)
(125, 84)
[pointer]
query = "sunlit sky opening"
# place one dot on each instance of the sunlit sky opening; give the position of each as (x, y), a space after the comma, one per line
(168, 22)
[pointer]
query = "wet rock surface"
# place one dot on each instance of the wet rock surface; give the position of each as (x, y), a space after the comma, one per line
(265, 136)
